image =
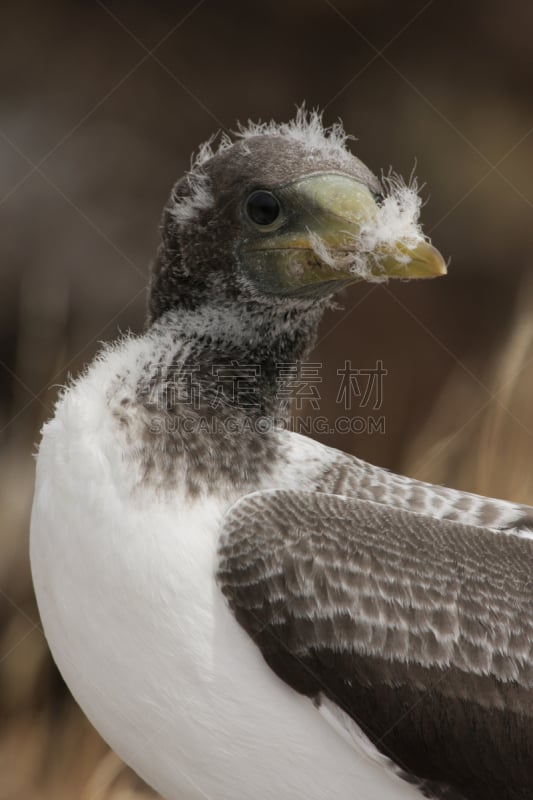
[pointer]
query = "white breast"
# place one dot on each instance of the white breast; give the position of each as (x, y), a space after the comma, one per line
(145, 641)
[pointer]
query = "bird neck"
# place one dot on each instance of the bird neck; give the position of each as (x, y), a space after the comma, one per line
(213, 396)
(235, 359)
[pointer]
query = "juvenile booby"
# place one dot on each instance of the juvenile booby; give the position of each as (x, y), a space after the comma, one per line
(240, 611)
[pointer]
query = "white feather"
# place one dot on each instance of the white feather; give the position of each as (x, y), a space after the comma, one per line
(397, 219)
(200, 197)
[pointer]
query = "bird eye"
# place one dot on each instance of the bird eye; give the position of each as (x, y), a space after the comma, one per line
(263, 207)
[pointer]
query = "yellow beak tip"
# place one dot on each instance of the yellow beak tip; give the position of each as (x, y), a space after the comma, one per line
(425, 261)
(436, 264)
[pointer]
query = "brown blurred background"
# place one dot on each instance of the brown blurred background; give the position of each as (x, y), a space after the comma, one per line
(102, 105)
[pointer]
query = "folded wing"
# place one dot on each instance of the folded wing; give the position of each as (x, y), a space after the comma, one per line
(419, 628)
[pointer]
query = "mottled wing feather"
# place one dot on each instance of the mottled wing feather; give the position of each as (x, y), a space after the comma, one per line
(344, 474)
(421, 629)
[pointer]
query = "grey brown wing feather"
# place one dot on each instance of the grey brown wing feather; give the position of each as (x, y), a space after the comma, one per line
(343, 474)
(421, 629)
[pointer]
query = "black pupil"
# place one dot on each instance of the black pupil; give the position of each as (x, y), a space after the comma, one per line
(263, 208)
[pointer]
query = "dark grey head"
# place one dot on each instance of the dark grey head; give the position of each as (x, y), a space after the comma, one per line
(283, 215)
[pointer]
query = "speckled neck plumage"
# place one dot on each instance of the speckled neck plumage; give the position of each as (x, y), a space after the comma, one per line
(211, 390)
(253, 337)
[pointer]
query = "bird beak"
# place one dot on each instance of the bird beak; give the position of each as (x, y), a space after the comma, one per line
(333, 235)
(421, 261)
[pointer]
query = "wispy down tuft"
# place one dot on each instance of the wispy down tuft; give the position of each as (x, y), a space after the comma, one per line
(185, 209)
(396, 221)
(307, 127)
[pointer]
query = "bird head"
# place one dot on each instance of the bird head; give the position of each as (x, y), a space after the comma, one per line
(285, 215)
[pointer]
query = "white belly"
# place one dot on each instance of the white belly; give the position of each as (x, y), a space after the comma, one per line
(155, 659)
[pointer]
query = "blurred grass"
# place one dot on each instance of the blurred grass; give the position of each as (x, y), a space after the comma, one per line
(480, 431)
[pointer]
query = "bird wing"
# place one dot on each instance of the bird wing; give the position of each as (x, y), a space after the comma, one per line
(420, 629)
(343, 474)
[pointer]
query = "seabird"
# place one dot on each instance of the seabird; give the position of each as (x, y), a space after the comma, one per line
(241, 611)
